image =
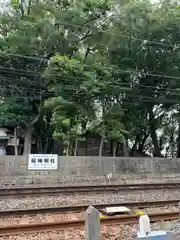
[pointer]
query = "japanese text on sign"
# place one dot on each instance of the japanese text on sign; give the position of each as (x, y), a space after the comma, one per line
(43, 162)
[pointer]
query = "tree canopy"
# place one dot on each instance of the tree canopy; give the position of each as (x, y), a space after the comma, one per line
(104, 67)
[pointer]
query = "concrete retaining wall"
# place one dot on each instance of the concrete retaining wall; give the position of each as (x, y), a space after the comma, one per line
(89, 167)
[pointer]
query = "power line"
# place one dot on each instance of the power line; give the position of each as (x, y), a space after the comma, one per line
(139, 87)
(125, 101)
(127, 98)
(95, 30)
(18, 71)
(40, 58)
(118, 34)
(126, 86)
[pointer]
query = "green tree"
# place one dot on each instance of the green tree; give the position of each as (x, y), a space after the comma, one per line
(68, 67)
(32, 32)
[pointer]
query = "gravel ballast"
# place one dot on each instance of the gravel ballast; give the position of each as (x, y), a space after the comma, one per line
(40, 218)
(90, 198)
(55, 217)
(108, 232)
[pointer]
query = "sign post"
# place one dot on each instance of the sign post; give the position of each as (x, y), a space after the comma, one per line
(42, 162)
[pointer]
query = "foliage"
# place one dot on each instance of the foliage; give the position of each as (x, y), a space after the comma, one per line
(109, 68)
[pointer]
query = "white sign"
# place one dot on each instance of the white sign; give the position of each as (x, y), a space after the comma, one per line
(43, 162)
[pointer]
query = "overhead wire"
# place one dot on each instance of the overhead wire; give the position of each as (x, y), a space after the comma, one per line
(95, 30)
(18, 71)
(126, 86)
(40, 58)
(100, 67)
(80, 95)
(121, 35)
(132, 101)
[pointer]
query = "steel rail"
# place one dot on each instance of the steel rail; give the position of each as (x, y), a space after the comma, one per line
(55, 190)
(81, 208)
(129, 219)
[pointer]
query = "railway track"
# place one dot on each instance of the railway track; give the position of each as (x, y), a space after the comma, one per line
(129, 219)
(55, 190)
(81, 208)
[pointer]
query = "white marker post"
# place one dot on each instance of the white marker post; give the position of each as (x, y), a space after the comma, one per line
(145, 232)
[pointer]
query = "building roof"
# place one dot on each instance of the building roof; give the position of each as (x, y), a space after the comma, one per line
(4, 137)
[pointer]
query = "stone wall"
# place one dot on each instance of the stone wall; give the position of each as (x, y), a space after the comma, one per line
(88, 167)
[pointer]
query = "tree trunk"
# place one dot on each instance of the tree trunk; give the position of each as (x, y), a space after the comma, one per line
(141, 145)
(75, 147)
(125, 149)
(22, 7)
(51, 147)
(172, 144)
(114, 149)
(27, 139)
(67, 151)
(134, 147)
(46, 146)
(71, 148)
(157, 151)
(86, 146)
(39, 144)
(29, 7)
(48, 134)
(67, 148)
(20, 152)
(15, 142)
(29, 129)
(178, 143)
(101, 146)
(114, 152)
(49, 143)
